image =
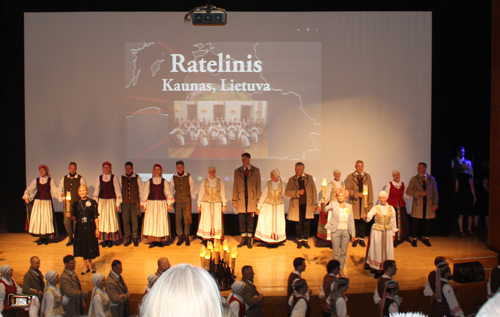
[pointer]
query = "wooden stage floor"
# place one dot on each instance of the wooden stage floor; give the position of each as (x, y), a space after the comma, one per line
(272, 266)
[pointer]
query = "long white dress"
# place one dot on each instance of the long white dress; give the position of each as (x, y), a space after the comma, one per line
(109, 227)
(243, 136)
(271, 226)
(211, 198)
(179, 136)
(42, 217)
(255, 134)
(156, 225)
(381, 246)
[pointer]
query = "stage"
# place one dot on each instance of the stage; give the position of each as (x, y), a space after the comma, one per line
(272, 267)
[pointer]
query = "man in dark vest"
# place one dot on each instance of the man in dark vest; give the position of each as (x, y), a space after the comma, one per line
(184, 191)
(390, 270)
(132, 186)
(69, 184)
(33, 280)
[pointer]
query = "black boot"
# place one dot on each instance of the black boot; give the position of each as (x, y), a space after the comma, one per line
(249, 242)
(243, 242)
(110, 244)
(136, 242)
(46, 241)
(127, 242)
(188, 243)
(180, 239)
(70, 241)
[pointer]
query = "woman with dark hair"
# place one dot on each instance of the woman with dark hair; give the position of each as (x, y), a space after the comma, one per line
(465, 198)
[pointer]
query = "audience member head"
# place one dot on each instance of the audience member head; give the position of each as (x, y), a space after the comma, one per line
(396, 175)
(333, 267)
(116, 266)
(390, 267)
(391, 287)
(175, 291)
(299, 264)
(69, 262)
(6, 271)
(247, 272)
(300, 285)
(163, 264)
(439, 259)
(34, 263)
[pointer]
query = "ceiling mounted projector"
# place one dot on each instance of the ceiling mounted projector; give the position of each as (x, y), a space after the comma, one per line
(206, 15)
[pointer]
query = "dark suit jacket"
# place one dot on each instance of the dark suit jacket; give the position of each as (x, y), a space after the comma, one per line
(31, 280)
(115, 288)
(254, 304)
(70, 286)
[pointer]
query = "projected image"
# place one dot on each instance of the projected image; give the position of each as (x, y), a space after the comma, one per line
(218, 129)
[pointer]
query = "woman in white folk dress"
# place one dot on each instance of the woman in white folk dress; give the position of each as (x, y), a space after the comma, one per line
(109, 197)
(243, 137)
(271, 225)
(157, 203)
(100, 304)
(381, 245)
(53, 301)
(211, 206)
(41, 220)
(203, 137)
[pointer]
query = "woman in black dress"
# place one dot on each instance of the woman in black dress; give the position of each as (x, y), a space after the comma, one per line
(84, 213)
(465, 199)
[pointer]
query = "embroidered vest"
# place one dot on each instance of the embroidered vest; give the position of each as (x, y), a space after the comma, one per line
(382, 223)
(182, 189)
(130, 190)
(212, 194)
(157, 192)
(274, 196)
(396, 196)
(105, 305)
(8, 290)
(107, 189)
(58, 308)
(43, 190)
(243, 309)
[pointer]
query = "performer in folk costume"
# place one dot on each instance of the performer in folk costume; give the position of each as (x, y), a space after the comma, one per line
(70, 183)
(202, 137)
(271, 225)
(243, 137)
(255, 134)
(330, 197)
(8, 286)
(354, 184)
(337, 300)
(53, 300)
(423, 188)
(184, 190)
(41, 221)
(390, 270)
(332, 269)
(235, 299)
(100, 304)
(445, 303)
(390, 304)
(299, 300)
(396, 198)
(303, 203)
(432, 277)
(381, 245)
(246, 195)
(341, 225)
(156, 203)
(132, 188)
(84, 214)
(211, 206)
(109, 197)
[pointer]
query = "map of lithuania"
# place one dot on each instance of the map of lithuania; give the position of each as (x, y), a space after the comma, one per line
(291, 71)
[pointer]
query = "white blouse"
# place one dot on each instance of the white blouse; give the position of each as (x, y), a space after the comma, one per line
(166, 190)
(30, 192)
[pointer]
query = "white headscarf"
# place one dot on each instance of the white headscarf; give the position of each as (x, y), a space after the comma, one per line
(96, 279)
(276, 172)
(49, 276)
(4, 269)
(383, 193)
(237, 286)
